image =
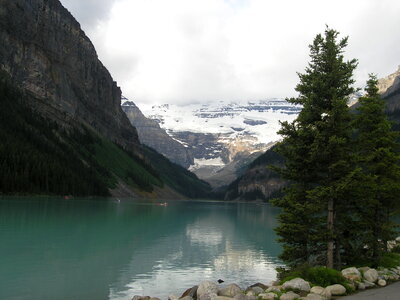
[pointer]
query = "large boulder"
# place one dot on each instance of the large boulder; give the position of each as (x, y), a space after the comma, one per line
(289, 296)
(192, 292)
(368, 284)
(186, 298)
(313, 296)
(336, 289)
(371, 275)
(381, 282)
(274, 288)
(137, 297)
(297, 284)
(268, 296)
(207, 288)
(256, 289)
(352, 274)
(230, 290)
(319, 290)
(259, 284)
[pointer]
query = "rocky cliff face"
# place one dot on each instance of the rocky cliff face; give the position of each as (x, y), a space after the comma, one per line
(152, 135)
(44, 50)
(389, 83)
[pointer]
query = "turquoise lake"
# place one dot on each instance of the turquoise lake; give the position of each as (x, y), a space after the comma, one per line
(104, 249)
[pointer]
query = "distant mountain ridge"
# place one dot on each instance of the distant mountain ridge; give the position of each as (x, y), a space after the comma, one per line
(222, 136)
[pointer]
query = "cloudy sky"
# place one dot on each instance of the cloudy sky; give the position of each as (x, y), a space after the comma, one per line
(183, 51)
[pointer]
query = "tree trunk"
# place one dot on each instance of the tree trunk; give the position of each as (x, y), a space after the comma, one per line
(331, 241)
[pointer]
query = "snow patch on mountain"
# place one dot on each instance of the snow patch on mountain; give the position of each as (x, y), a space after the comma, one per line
(232, 120)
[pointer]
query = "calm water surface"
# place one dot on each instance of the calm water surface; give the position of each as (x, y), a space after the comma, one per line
(102, 249)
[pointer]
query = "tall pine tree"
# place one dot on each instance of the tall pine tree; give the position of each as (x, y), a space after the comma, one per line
(316, 147)
(378, 160)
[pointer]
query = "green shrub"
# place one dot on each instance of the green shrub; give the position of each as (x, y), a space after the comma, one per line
(320, 276)
(390, 260)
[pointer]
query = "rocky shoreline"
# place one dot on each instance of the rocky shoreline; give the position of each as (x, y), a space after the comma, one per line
(357, 279)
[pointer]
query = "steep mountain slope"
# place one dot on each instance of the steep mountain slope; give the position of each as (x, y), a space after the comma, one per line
(69, 116)
(260, 182)
(152, 135)
(44, 50)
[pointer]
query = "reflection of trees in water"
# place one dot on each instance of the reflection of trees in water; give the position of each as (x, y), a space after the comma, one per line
(88, 248)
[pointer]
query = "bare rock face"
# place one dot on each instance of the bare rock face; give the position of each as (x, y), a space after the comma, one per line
(44, 50)
(152, 135)
(385, 85)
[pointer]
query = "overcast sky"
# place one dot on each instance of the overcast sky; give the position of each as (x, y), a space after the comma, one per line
(183, 51)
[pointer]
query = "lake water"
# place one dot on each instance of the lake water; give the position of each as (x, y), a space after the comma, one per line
(102, 249)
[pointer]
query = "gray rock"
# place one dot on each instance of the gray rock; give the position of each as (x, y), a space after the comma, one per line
(173, 297)
(289, 296)
(230, 290)
(371, 275)
(185, 298)
(398, 239)
(361, 286)
(268, 296)
(155, 298)
(250, 293)
(363, 269)
(192, 292)
(240, 297)
(313, 296)
(297, 284)
(352, 274)
(137, 297)
(368, 284)
(207, 296)
(222, 298)
(259, 284)
(207, 287)
(251, 297)
(336, 289)
(319, 290)
(382, 282)
(257, 290)
(276, 288)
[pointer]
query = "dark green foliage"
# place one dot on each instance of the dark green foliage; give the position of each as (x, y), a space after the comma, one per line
(389, 260)
(316, 148)
(35, 156)
(378, 174)
(177, 177)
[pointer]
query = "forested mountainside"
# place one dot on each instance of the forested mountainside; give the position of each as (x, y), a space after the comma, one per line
(260, 182)
(62, 127)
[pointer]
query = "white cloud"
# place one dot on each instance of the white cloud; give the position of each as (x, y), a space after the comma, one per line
(181, 51)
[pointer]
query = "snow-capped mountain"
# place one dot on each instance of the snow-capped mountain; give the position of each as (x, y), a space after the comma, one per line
(220, 133)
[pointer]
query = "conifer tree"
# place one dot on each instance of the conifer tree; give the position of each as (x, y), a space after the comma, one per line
(316, 147)
(378, 160)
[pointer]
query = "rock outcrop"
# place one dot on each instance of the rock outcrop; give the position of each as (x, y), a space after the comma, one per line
(388, 83)
(45, 52)
(152, 135)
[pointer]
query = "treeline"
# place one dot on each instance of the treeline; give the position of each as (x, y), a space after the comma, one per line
(343, 168)
(35, 157)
